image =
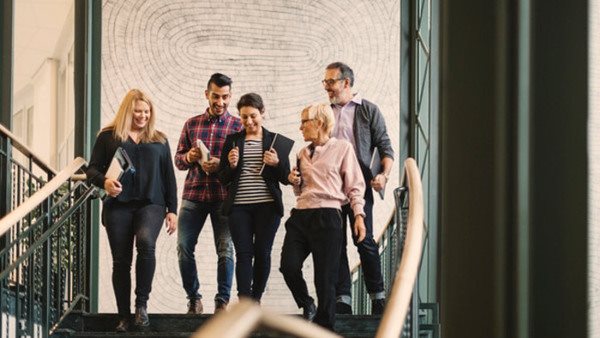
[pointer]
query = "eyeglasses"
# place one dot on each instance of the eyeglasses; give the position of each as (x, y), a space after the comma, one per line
(330, 82)
(302, 122)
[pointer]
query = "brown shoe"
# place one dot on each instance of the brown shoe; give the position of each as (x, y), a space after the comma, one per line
(195, 307)
(220, 305)
(123, 325)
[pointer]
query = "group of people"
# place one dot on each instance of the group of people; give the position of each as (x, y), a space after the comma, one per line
(238, 183)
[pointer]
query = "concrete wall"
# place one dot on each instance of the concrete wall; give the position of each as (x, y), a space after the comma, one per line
(276, 48)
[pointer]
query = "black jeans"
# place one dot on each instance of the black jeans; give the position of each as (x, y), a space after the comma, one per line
(253, 228)
(125, 222)
(316, 231)
(368, 251)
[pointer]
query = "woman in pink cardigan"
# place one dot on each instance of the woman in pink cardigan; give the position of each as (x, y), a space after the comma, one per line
(327, 175)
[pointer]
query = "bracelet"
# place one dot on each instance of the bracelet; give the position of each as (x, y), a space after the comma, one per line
(387, 177)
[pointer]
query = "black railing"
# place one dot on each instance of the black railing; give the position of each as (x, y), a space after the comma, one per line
(23, 173)
(390, 250)
(44, 237)
(44, 263)
(422, 318)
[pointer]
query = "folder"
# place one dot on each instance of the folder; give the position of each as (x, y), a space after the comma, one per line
(375, 167)
(120, 164)
(204, 152)
(282, 146)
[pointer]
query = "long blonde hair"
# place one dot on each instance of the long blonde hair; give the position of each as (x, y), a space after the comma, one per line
(121, 124)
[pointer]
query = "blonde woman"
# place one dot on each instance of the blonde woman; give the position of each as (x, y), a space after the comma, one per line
(138, 202)
(326, 177)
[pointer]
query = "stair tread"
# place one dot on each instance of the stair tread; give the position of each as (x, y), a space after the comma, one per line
(183, 325)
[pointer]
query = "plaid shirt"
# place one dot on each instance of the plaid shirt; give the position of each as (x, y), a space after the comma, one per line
(200, 187)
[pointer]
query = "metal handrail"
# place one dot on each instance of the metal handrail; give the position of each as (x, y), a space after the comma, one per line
(408, 268)
(45, 256)
(41, 195)
(26, 151)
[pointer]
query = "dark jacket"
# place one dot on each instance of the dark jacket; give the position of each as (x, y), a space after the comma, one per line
(272, 175)
(154, 178)
(370, 133)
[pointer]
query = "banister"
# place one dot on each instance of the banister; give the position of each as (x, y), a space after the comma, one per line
(245, 316)
(26, 151)
(41, 195)
(408, 268)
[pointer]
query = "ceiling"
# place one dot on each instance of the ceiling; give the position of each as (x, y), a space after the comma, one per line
(38, 27)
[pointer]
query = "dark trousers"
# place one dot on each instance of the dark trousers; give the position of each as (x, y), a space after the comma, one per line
(316, 231)
(253, 228)
(368, 251)
(126, 222)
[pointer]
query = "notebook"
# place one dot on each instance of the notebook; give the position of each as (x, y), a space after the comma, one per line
(120, 164)
(375, 167)
(204, 153)
(282, 146)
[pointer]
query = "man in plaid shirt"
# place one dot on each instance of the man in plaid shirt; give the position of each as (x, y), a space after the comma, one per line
(203, 194)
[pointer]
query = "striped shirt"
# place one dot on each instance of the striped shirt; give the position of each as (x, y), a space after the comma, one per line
(212, 130)
(252, 187)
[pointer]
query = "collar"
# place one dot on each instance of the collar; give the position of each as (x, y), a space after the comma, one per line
(213, 119)
(356, 99)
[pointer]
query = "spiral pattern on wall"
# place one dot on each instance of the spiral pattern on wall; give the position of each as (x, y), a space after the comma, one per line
(276, 48)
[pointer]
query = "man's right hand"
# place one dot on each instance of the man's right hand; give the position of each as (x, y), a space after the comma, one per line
(193, 155)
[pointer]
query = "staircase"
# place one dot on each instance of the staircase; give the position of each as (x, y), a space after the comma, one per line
(78, 324)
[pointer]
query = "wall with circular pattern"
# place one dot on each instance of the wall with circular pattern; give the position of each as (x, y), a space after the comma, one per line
(276, 48)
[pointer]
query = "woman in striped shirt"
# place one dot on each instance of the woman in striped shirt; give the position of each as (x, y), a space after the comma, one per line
(252, 173)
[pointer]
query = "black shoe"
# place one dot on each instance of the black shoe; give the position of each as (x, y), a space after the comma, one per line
(309, 311)
(123, 325)
(141, 316)
(342, 308)
(377, 306)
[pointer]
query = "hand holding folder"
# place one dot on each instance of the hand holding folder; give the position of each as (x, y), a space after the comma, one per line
(204, 152)
(282, 146)
(119, 165)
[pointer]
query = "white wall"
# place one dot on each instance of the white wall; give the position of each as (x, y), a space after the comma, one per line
(594, 170)
(276, 48)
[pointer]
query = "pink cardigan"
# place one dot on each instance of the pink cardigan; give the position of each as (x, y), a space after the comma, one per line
(331, 178)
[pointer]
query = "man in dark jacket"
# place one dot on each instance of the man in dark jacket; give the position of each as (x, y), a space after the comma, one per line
(360, 122)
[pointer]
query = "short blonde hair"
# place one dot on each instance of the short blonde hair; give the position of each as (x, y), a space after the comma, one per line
(121, 124)
(321, 112)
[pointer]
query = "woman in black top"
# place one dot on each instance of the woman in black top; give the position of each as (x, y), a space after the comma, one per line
(253, 203)
(137, 203)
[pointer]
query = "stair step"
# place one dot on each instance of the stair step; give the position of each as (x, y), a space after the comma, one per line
(181, 325)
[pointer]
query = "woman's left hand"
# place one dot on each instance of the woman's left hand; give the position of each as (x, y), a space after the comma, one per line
(171, 223)
(270, 158)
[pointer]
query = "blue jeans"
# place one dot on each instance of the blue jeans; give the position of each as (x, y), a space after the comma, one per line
(192, 216)
(253, 228)
(127, 223)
